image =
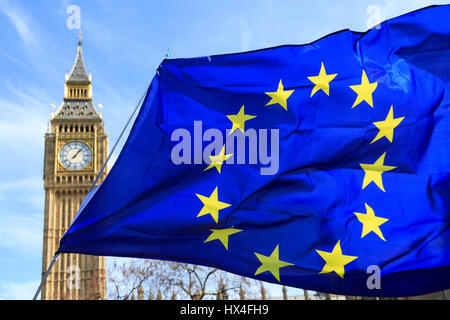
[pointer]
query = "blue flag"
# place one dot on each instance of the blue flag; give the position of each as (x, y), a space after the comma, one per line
(323, 166)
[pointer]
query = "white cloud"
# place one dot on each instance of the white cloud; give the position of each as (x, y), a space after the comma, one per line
(100, 35)
(21, 232)
(21, 25)
(18, 291)
(394, 8)
(20, 185)
(15, 60)
(23, 119)
(31, 37)
(21, 223)
(27, 191)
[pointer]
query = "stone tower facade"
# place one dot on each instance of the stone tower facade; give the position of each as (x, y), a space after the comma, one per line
(75, 149)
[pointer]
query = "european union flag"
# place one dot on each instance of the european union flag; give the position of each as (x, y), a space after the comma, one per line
(322, 166)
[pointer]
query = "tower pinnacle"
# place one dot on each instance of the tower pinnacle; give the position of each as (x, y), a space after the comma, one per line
(80, 37)
(77, 103)
(78, 73)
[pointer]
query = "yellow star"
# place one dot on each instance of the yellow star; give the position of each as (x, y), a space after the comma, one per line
(212, 205)
(374, 171)
(387, 126)
(280, 96)
(364, 90)
(239, 119)
(222, 235)
(271, 263)
(217, 161)
(335, 260)
(322, 81)
(370, 222)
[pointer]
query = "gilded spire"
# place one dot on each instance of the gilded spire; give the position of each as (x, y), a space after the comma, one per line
(78, 73)
(77, 103)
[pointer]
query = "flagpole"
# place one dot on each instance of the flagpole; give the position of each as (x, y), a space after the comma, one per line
(55, 258)
(46, 275)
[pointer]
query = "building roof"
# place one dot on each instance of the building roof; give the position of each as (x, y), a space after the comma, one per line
(78, 108)
(78, 73)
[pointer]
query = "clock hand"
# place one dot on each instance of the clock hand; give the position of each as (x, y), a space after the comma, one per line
(76, 154)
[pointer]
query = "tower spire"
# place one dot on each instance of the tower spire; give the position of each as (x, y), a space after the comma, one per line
(77, 103)
(78, 74)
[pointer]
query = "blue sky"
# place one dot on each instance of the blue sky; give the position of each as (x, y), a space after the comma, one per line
(124, 42)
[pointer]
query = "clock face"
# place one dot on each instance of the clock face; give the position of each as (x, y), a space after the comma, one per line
(75, 155)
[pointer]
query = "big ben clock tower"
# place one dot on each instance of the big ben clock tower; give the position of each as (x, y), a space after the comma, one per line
(75, 149)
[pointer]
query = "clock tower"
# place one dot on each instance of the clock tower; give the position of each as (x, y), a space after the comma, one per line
(75, 149)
